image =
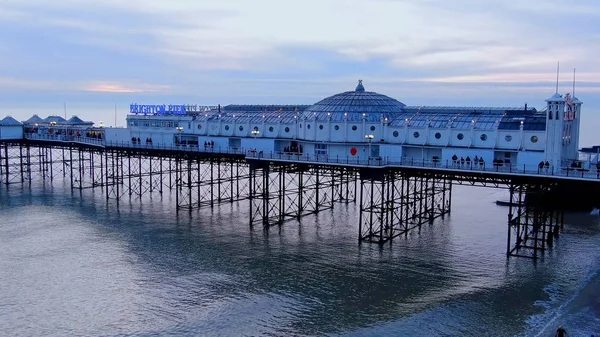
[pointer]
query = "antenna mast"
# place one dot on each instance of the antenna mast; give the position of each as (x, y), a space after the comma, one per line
(557, 72)
(573, 82)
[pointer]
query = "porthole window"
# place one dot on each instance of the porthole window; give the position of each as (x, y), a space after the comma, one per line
(321, 127)
(308, 126)
(287, 129)
(271, 129)
(241, 128)
(508, 138)
(395, 133)
(226, 127)
(354, 128)
(438, 135)
(337, 127)
(416, 134)
(460, 136)
(372, 128)
(534, 139)
(199, 126)
(483, 137)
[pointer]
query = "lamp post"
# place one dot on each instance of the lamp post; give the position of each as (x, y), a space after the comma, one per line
(255, 133)
(179, 130)
(369, 137)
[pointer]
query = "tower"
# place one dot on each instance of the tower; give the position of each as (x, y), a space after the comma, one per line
(555, 113)
(575, 127)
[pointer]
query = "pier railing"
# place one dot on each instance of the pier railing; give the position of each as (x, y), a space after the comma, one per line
(431, 164)
(339, 160)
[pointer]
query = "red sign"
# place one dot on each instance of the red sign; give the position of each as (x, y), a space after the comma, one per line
(353, 151)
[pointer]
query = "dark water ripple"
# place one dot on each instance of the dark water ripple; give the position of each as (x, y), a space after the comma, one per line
(71, 264)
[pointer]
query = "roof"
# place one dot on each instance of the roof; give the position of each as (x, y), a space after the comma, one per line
(556, 98)
(56, 119)
(35, 119)
(9, 121)
(77, 121)
(354, 106)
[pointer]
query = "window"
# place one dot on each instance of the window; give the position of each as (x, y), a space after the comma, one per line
(308, 126)
(199, 126)
(508, 138)
(395, 133)
(227, 128)
(354, 128)
(337, 127)
(270, 129)
(372, 128)
(321, 127)
(287, 129)
(438, 135)
(416, 134)
(534, 139)
(483, 137)
(320, 149)
(241, 128)
(460, 136)
(300, 125)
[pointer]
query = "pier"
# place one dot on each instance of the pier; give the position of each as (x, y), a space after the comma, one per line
(394, 196)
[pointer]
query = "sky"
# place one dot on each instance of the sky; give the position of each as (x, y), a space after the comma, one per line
(92, 54)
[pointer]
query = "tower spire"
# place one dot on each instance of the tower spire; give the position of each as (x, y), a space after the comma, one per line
(557, 72)
(573, 82)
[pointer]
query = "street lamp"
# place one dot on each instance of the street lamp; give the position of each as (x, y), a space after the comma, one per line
(179, 129)
(255, 132)
(369, 137)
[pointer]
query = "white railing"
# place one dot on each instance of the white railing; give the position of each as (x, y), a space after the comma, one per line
(340, 160)
(422, 163)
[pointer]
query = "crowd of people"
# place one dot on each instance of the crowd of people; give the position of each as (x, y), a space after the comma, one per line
(136, 140)
(468, 162)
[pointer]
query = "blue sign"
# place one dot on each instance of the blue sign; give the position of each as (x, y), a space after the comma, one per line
(158, 109)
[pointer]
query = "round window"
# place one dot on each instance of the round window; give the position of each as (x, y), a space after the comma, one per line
(354, 128)
(226, 127)
(287, 129)
(372, 128)
(255, 128)
(438, 135)
(337, 127)
(271, 129)
(483, 137)
(199, 126)
(460, 136)
(508, 138)
(416, 134)
(308, 126)
(241, 128)
(321, 127)
(395, 133)
(534, 139)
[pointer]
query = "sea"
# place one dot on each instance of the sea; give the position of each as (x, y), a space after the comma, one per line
(74, 264)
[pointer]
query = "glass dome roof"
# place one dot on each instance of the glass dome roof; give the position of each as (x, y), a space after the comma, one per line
(354, 105)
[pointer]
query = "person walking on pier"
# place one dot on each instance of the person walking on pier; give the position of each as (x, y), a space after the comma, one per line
(561, 332)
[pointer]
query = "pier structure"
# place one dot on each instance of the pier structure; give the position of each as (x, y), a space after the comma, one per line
(397, 163)
(393, 198)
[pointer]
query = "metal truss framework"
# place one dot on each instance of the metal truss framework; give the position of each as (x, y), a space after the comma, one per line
(394, 202)
(287, 191)
(534, 221)
(205, 182)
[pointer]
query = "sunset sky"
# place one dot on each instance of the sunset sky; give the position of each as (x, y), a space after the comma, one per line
(94, 54)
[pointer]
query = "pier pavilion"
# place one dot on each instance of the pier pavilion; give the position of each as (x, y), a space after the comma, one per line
(397, 162)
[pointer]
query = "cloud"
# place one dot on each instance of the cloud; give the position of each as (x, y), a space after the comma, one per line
(123, 88)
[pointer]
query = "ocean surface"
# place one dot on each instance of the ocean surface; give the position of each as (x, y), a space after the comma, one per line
(72, 264)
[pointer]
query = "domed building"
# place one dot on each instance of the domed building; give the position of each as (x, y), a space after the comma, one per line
(362, 124)
(349, 116)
